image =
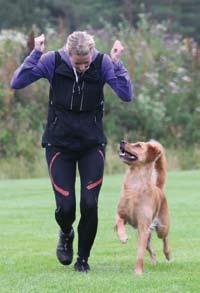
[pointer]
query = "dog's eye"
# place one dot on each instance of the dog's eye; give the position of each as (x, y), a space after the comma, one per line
(138, 145)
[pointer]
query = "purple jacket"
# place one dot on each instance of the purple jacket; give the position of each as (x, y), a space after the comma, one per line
(38, 65)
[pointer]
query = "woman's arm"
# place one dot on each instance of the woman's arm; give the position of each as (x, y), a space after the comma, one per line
(37, 65)
(116, 75)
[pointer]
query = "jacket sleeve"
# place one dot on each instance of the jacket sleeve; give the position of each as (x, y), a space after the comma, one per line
(37, 65)
(116, 75)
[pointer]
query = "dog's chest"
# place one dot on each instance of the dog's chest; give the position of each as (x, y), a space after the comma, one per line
(137, 195)
(140, 180)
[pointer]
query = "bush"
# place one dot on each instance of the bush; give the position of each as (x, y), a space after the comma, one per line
(166, 78)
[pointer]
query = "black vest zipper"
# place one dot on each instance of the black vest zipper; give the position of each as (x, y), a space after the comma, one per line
(71, 105)
(81, 105)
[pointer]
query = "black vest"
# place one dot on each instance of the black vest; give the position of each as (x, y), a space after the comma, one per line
(75, 107)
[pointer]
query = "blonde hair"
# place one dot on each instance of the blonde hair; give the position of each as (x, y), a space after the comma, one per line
(80, 43)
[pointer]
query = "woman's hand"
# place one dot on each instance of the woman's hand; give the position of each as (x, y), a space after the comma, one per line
(116, 51)
(39, 43)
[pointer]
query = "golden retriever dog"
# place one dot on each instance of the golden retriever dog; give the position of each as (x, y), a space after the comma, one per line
(143, 204)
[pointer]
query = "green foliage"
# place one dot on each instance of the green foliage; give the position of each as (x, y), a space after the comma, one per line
(21, 113)
(67, 13)
(181, 15)
(166, 79)
(23, 14)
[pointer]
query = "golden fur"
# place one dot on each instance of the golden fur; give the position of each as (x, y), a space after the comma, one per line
(142, 203)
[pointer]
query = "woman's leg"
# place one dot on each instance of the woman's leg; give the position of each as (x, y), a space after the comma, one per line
(91, 167)
(62, 171)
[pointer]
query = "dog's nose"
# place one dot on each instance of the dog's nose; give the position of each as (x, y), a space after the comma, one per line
(122, 142)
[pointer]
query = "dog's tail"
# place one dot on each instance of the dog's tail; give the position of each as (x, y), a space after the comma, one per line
(160, 163)
(161, 169)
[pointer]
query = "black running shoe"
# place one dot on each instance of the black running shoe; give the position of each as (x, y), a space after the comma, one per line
(81, 265)
(64, 249)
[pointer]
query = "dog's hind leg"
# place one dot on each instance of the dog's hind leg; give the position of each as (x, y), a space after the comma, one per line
(166, 249)
(163, 227)
(120, 228)
(151, 250)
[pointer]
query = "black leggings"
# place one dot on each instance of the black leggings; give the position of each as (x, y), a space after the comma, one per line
(62, 170)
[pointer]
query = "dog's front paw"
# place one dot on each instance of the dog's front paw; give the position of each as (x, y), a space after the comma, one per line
(138, 272)
(139, 267)
(123, 238)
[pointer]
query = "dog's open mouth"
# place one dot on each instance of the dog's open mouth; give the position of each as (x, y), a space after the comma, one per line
(126, 155)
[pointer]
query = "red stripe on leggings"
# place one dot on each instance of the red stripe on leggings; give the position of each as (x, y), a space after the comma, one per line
(93, 185)
(57, 188)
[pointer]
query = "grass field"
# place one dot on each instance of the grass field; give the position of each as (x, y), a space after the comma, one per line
(28, 239)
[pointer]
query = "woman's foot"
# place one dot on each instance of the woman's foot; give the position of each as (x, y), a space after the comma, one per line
(64, 249)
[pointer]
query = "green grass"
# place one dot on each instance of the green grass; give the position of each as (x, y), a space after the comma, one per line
(28, 238)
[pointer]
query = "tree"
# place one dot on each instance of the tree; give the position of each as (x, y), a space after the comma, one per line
(181, 15)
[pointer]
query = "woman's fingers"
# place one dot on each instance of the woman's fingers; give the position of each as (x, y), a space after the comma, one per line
(116, 51)
(40, 43)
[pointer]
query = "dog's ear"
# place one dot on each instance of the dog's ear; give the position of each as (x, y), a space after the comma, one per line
(153, 152)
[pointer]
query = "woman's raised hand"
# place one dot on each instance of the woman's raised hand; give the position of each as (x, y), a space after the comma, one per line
(116, 51)
(40, 43)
